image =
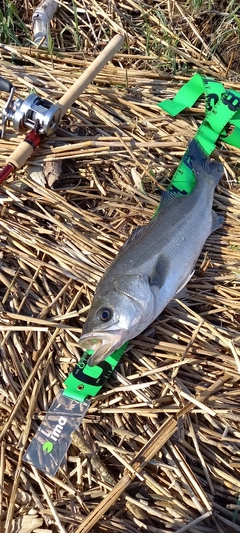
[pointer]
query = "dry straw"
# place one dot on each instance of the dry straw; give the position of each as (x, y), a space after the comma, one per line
(159, 448)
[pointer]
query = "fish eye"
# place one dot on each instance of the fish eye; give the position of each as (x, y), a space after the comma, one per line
(105, 314)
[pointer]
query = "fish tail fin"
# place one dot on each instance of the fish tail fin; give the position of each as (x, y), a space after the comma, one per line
(202, 166)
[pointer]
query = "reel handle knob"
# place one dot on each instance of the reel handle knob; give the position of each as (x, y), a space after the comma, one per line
(5, 85)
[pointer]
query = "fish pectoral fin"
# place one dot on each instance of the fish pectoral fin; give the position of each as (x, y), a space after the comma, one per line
(135, 233)
(160, 272)
(217, 221)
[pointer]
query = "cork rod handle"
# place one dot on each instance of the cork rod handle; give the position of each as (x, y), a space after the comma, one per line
(89, 74)
(24, 150)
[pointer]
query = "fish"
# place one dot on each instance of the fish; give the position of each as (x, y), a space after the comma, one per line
(154, 264)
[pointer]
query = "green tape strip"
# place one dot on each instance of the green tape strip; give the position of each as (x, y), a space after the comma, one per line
(234, 137)
(87, 380)
(222, 108)
(190, 92)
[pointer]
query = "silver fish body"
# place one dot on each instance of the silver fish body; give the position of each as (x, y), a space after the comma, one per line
(155, 263)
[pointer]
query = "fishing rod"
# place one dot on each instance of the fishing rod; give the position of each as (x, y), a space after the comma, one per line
(41, 116)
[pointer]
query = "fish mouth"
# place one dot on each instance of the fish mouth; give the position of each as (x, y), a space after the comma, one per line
(101, 344)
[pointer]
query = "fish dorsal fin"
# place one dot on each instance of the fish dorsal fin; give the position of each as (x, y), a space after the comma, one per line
(160, 272)
(134, 235)
(170, 195)
(217, 221)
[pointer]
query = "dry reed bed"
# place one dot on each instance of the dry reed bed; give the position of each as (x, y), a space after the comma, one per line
(159, 448)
